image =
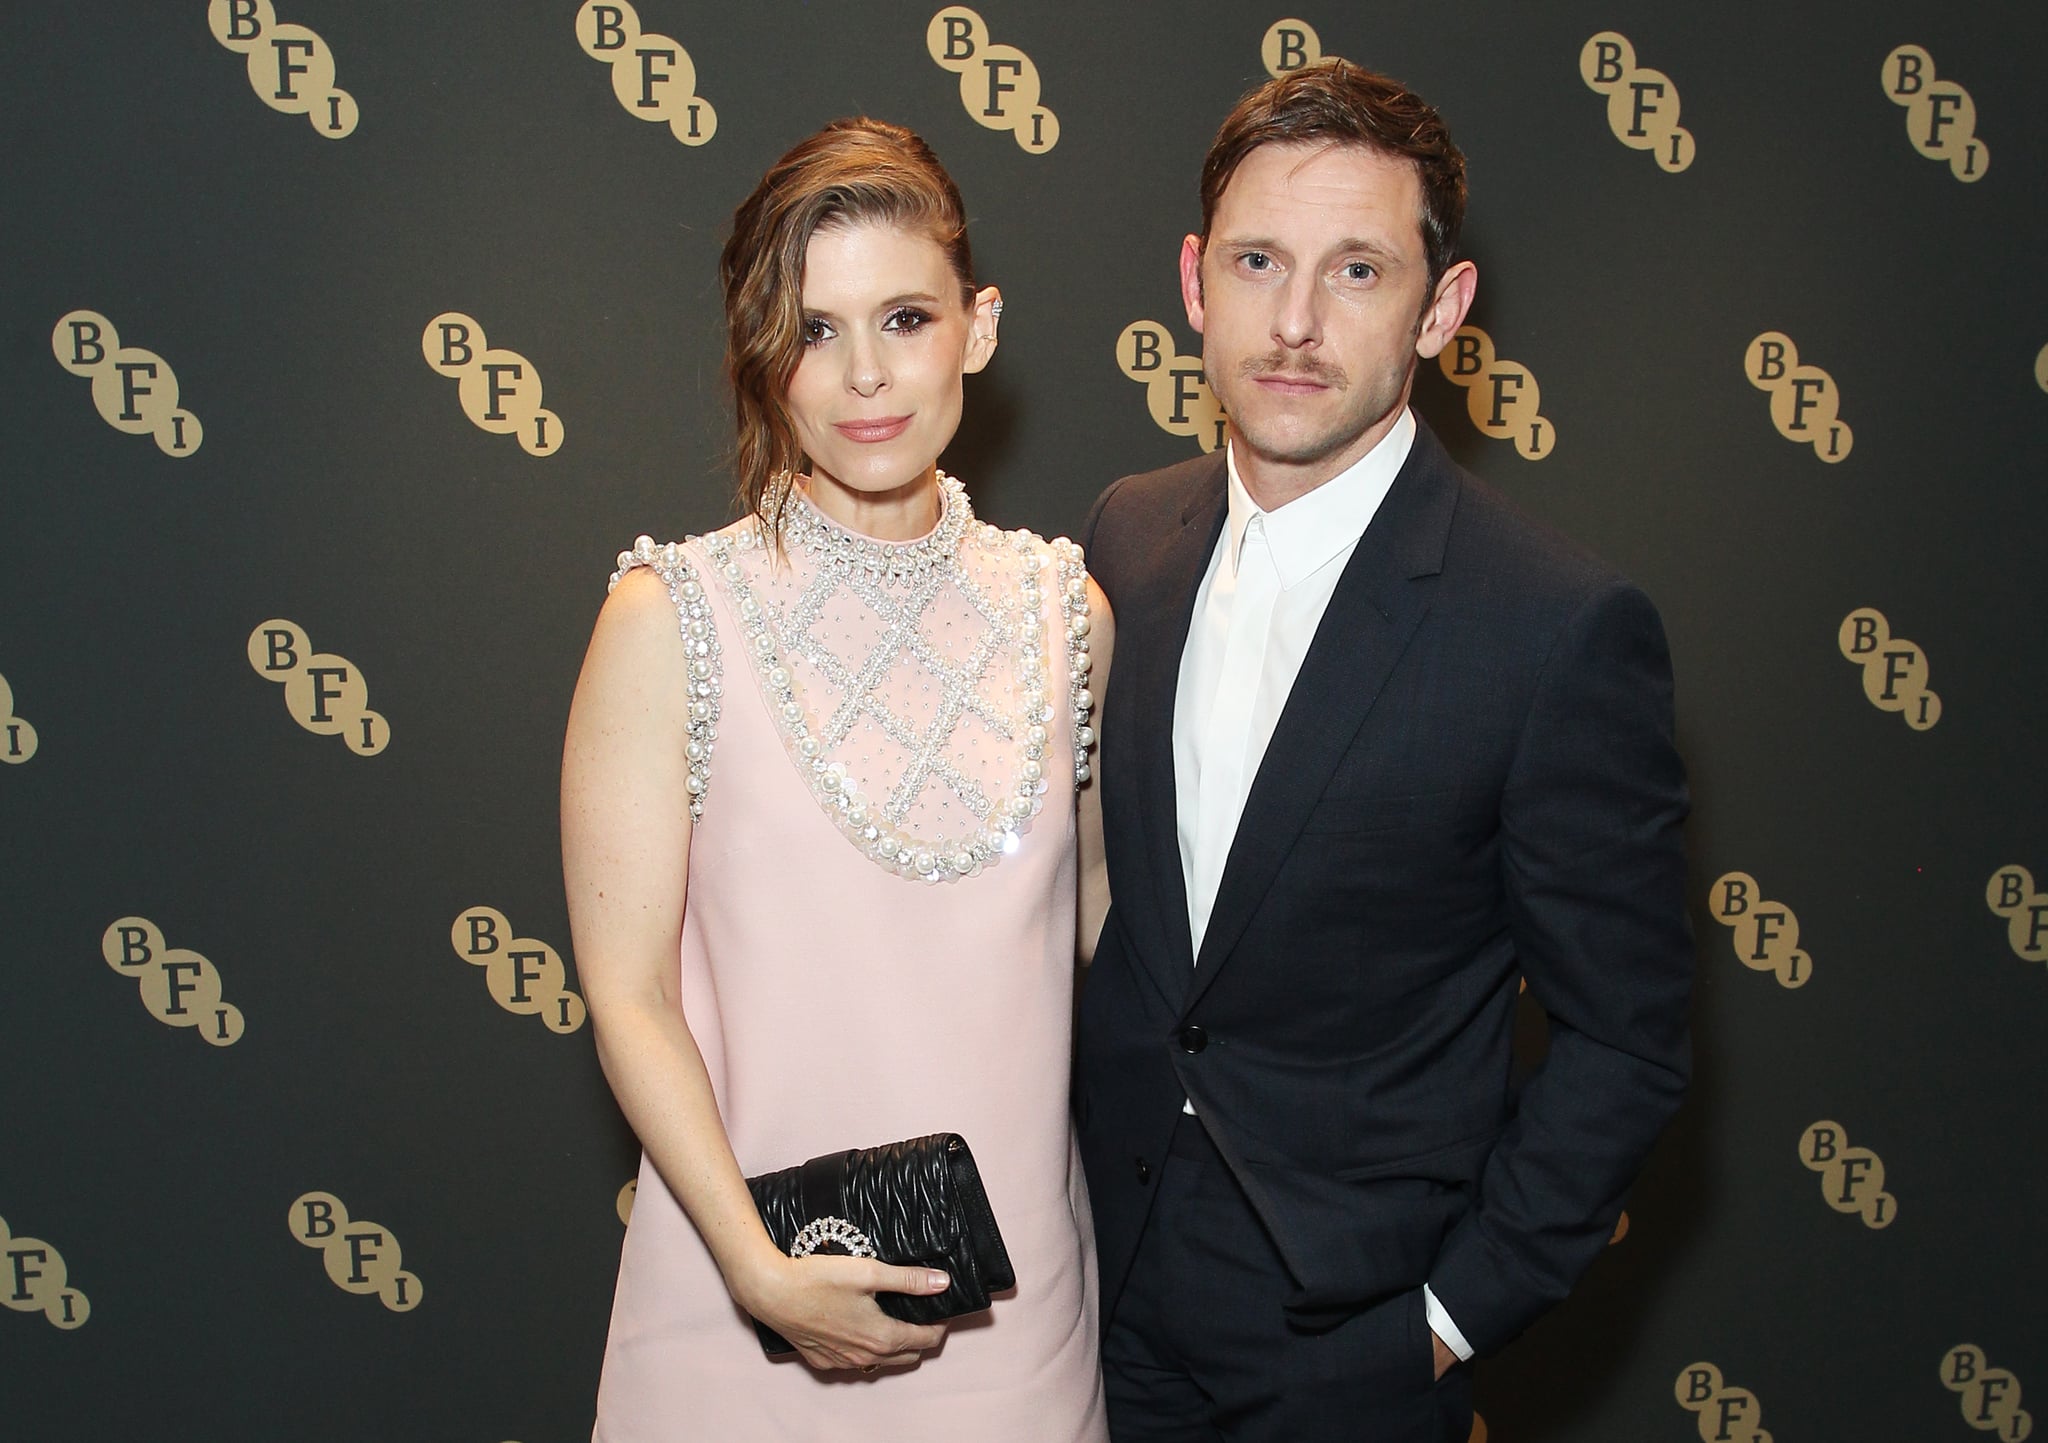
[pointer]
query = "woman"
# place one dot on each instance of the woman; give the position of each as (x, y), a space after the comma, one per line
(831, 757)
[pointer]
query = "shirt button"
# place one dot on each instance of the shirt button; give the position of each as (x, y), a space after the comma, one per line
(1144, 1172)
(1193, 1038)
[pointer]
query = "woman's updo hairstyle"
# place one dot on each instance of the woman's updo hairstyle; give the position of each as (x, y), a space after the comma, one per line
(852, 172)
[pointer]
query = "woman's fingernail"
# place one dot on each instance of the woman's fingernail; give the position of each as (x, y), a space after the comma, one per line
(939, 1280)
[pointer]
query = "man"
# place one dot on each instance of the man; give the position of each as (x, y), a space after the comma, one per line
(1376, 749)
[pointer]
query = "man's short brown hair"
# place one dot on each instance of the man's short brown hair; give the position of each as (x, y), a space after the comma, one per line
(1334, 101)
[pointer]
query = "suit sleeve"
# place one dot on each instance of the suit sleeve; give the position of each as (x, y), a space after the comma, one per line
(1593, 868)
(1091, 526)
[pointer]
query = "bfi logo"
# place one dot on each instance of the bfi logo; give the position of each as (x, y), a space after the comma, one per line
(1990, 1396)
(2041, 368)
(361, 1256)
(1851, 1178)
(499, 390)
(526, 977)
(1894, 669)
(179, 987)
(18, 740)
(1726, 1415)
(1941, 118)
(2010, 894)
(134, 390)
(624, 1201)
(1642, 104)
(33, 1279)
(1766, 933)
(290, 68)
(652, 75)
(326, 694)
(1290, 45)
(1176, 390)
(999, 85)
(1804, 399)
(1501, 397)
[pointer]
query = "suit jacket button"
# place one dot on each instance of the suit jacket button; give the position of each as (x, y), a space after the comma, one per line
(1193, 1038)
(1144, 1172)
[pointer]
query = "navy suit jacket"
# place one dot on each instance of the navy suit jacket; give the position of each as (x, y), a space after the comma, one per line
(1472, 783)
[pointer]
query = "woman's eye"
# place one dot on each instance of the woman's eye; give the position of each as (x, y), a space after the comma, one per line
(815, 331)
(906, 318)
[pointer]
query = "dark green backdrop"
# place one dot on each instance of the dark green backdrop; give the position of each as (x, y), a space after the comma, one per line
(287, 279)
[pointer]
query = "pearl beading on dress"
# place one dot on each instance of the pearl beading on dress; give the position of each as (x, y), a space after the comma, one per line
(700, 647)
(861, 565)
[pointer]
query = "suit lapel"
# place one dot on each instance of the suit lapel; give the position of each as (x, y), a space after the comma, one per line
(1174, 575)
(1380, 600)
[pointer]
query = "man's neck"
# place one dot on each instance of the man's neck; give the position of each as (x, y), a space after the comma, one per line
(1273, 483)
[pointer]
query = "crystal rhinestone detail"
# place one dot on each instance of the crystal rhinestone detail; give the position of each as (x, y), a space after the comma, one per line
(700, 648)
(825, 1232)
(899, 583)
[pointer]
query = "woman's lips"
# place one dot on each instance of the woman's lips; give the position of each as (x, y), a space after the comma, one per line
(881, 428)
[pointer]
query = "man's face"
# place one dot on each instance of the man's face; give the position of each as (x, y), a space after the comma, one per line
(1310, 299)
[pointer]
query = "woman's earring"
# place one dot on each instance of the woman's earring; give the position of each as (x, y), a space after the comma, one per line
(995, 308)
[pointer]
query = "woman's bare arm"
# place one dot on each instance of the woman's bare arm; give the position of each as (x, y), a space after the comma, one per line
(625, 861)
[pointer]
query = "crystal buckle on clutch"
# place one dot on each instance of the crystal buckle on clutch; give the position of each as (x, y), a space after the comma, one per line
(819, 1232)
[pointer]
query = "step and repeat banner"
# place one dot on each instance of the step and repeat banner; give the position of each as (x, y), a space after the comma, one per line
(347, 341)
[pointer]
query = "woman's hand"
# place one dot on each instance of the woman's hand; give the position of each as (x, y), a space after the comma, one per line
(825, 1306)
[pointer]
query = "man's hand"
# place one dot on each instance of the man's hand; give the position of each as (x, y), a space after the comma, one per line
(1444, 1356)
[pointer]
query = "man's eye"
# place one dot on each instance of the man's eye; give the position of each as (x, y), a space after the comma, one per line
(1257, 261)
(1358, 271)
(906, 318)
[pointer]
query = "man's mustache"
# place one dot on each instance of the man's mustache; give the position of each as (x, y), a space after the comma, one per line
(1294, 368)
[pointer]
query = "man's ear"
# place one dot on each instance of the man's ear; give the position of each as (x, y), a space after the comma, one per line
(1447, 308)
(1191, 278)
(981, 329)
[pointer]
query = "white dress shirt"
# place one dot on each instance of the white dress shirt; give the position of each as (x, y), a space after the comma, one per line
(1263, 596)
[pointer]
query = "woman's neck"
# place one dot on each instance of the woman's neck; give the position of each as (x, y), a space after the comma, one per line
(902, 514)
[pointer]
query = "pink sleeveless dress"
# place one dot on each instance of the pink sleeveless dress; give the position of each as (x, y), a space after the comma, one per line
(877, 944)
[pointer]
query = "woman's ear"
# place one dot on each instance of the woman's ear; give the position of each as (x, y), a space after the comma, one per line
(981, 329)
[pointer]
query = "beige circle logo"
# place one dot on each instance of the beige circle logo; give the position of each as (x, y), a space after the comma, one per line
(1804, 399)
(2010, 894)
(1642, 105)
(326, 694)
(525, 976)
(134, 390)
(290, 68)
(18, 740)
(624, 1201)
(1176, 390)
(1289, 45)
(33, 1279)
(652, 75)
(179, 987)
(1894, 669)
(1501, 397)
(1851, 1178)
(1990, 1396)
(2041, 368)
(499, 390)
(1620, 1229)
(1766, 933)
(1941, 118)
(361, 1256)
(998, 83)
(1726, 1415)
(1478, 1433)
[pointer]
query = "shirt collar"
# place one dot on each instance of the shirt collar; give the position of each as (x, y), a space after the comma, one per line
(1311, 531)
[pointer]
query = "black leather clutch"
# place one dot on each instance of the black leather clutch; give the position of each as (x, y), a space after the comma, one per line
(913, 1203)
